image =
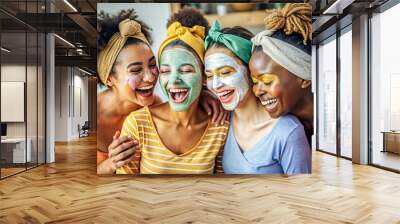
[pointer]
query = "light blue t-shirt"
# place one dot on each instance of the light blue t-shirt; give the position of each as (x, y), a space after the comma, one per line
(284, 150)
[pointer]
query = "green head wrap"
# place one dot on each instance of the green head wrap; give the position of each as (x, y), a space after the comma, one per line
(241, 47)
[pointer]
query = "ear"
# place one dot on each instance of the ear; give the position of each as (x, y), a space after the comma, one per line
(110, 81)
(305, 84)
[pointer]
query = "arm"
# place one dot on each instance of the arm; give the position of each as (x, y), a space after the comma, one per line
(130, 129)
(120, 152)
(296, 155)
(101, 156)
(213, 107)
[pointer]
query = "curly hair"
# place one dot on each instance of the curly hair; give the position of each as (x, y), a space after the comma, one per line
(292, 18)
(107, 26)
(189, 17)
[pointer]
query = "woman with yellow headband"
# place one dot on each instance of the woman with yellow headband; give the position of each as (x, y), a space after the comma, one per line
(178, 137)
(127, 66)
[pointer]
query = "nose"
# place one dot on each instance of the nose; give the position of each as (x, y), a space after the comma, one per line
(177, 81)
(149, 76)
(174, 78)
(217, 83)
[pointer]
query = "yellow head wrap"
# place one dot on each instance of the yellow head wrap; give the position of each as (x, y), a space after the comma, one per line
(194, 37)
(105, 60)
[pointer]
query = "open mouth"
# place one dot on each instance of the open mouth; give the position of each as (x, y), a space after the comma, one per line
(226, 96)
(178, 95)
(145, 91)
(270, 104)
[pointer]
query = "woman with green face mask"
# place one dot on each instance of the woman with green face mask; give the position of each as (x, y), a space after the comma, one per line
(127, 66)
(256, 143)
(178, 137)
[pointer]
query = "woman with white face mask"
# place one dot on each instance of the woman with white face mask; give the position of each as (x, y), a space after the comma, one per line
(256, 143)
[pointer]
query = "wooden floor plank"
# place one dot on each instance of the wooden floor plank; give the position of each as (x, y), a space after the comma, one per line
(69, 191)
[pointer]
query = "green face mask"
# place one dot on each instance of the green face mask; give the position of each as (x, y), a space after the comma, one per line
(180, 78)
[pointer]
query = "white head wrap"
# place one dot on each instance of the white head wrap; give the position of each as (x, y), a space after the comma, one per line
(288, 56)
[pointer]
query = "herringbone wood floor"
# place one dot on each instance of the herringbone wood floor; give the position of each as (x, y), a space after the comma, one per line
(69, 191)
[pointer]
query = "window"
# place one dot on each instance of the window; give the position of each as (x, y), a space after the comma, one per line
(22, 75)
(385, 89)
(346, 92)
(327, 96)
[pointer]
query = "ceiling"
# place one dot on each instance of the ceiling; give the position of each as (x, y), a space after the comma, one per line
(76, 22)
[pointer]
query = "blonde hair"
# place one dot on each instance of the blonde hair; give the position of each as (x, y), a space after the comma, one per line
(292, 18)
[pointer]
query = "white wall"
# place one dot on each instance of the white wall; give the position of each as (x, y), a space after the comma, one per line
(155, 15)
(61, 103)
(69, 82)
(15, 73)
(33, 126)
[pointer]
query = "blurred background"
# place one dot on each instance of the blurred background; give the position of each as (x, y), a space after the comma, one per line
(247, 15)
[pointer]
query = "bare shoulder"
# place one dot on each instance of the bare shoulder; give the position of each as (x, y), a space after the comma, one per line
(160, 111)
(102, 100)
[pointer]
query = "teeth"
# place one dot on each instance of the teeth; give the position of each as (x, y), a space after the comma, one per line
(177, 90)
(224, 93)
(146, 87)
(269, 102)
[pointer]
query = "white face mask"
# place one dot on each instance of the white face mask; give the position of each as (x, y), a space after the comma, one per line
(229, 89)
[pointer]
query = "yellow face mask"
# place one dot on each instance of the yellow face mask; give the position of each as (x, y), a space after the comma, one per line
(267, 79)
(271, 84)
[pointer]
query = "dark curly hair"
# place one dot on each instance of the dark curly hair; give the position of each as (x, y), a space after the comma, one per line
(188, 17)
(107, 26)
(237, 31)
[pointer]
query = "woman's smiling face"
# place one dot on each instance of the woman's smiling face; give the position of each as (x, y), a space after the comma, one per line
(180, 77)
(227, 77)
(135, 74)
(278, 90)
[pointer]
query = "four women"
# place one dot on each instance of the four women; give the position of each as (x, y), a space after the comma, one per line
(178, 137)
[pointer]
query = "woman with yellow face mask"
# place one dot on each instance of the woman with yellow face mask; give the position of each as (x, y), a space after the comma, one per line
(281, 64)
(256, 143)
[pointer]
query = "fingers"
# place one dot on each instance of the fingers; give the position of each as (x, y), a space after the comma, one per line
(220, 118)
(125, 162)
(116, 135)
(125, 154)
(115, 143)
(207, 108)
(225, 119)
(215, 111)
(122, 147)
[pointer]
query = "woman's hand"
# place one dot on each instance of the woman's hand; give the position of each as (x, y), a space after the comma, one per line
(120, 152)
(213, 107)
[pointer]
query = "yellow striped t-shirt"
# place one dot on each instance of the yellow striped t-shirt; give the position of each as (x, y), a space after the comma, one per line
(155, 158)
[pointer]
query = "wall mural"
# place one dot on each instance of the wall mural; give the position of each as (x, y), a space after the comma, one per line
(191, 90)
